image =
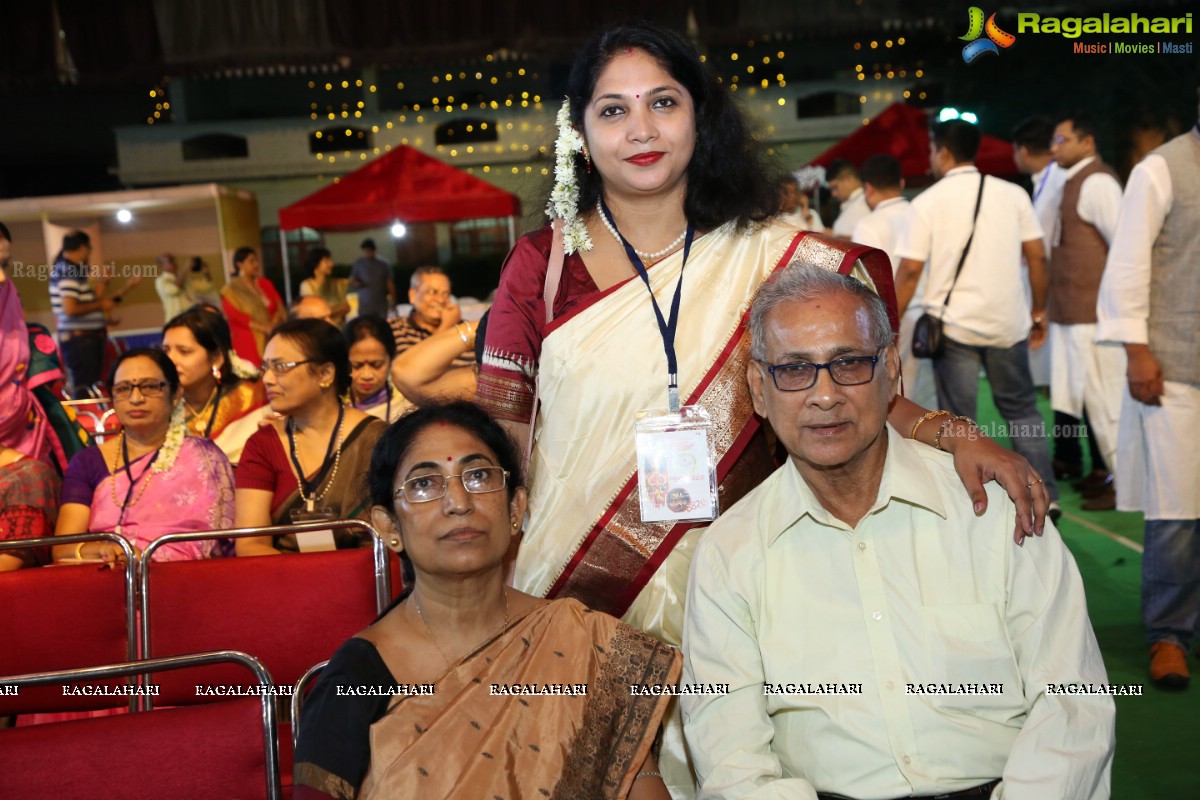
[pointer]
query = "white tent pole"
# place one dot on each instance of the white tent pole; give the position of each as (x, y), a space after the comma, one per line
(287, 272)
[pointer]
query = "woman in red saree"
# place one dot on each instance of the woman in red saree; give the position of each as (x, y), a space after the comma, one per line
(252, 306)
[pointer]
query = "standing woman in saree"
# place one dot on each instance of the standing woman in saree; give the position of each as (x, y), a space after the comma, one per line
(318, 265)
(150, 480)
(251, 305)
(223, 400)
(446, 486)
(311, 464)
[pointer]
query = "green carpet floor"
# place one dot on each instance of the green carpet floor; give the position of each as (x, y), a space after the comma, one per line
(1158, 745)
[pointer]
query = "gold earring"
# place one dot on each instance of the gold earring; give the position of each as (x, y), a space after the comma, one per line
(516, 525)
(325, 385)
(394, 541)
(216, 372)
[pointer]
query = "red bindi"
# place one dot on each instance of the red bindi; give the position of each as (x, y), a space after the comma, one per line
(449, 459)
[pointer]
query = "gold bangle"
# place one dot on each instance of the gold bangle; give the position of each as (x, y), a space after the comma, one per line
(937, 438)
(925, 419)
(462, 334)
(79, 551)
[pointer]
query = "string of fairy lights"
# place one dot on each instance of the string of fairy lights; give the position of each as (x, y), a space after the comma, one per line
(503, 82)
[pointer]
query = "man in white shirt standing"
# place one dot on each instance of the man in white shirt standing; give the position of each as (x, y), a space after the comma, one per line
(987, 320)
(1084, 374)
(874, 638)
(1150, 303)
(891, 214)
(847, 189)
(1031, 154)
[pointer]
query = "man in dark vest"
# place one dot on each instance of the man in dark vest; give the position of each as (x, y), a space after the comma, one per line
(1084, 375)
(1150, 303)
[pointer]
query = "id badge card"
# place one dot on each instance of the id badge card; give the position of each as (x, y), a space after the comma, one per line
(313, 541)
(677, 473)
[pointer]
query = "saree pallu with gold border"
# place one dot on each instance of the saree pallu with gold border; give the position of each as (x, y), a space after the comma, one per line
(470, 741)
(602, 365)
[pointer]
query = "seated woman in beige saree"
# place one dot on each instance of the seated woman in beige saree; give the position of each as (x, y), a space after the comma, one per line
(466, 688)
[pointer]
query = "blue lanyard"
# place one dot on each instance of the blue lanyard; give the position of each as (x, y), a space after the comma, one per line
(1042, 184)
(666, 327)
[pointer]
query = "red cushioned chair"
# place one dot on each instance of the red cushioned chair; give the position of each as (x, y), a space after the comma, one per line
(290, 611)
(65, 617)
(217, 750)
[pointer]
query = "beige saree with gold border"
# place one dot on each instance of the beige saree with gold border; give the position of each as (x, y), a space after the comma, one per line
(471, 740)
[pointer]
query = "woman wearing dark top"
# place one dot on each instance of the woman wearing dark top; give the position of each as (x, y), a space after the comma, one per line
(410, 707)
(311, 464)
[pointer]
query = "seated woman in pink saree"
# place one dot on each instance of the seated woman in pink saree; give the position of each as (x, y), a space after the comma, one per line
(152, 479)
(466, 688)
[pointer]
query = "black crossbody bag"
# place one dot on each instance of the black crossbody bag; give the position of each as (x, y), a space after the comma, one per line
(928, 341)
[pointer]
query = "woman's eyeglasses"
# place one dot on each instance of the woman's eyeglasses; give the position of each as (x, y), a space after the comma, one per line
(478, 480)
(149, 389)
(284, 367)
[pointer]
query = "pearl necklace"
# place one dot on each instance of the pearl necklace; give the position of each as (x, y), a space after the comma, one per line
(644, 256)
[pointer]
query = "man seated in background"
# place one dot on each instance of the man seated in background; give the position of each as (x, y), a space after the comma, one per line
(878, 639)
(432, 311)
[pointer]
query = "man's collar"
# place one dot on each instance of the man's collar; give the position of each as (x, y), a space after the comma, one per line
(905, 479)
(1079, 165)
(857, 193)
(961, 169)
(891, 201)
(416, 323)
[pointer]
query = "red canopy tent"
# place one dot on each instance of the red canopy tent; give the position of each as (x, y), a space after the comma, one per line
(903, 131)
(404, 185)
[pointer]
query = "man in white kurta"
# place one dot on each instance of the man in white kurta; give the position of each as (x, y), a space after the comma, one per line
(877, 638)
(1150, 302)
(1084, 373)
(890, 217)
(847, 189)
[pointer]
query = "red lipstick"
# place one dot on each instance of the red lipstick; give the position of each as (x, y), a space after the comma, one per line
(646, 159)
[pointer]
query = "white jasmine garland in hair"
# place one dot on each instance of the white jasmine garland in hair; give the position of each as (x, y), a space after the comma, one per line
(242, 368)
(176, 431)
(810, 178)
(564, 198)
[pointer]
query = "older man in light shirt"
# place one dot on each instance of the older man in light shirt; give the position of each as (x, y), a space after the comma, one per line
(878, 639)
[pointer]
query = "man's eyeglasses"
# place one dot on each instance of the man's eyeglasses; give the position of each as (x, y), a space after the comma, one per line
(284, 367)
(478, 480)
(149, 389)
(801, 375)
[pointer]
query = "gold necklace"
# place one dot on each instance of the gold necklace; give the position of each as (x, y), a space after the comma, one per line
(194, 415)
(432, 638)
(116, 466)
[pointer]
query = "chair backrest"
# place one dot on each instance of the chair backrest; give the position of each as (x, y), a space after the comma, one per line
(219, 750)
(299, 694)
(289, 611)
(66, 617)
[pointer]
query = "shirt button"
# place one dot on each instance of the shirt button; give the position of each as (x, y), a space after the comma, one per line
(907, 760)
(862, 545)
(891, 684)
(877, 616)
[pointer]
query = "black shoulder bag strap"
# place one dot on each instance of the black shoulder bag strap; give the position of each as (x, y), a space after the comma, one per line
(967, 248)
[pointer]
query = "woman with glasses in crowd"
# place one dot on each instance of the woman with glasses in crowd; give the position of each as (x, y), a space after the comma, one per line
(447, 493)
(251, 304)
(223, 399)
(311, 464)
(150, 480)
